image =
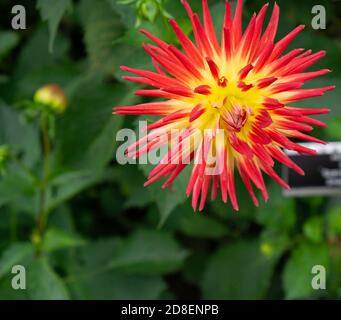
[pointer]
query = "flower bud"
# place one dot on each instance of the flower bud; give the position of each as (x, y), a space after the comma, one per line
(51, 96)
(148, 9)
(266, 248)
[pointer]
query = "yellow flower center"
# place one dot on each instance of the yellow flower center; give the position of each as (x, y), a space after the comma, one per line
(234, 107)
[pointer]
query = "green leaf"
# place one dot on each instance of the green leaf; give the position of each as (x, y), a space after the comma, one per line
(8, 41)
(18, 186)
(8, 293)
(131, 55)
(125, 12)
(53, 12)
(279, 212)
(35, 67)
(91, 279)
(20, 135)
(19, 190)
(43, 283)
(168, 199)
(333, 273)
(134, 16)
(98, 254)
(194, 267)
(140, 198)
(238, 271)
(16, 253)
(56, 239)
(334, 222)
(62, 74)
(148, 252)
(68, 184)
(313, 229)
(101, 27)
(86, 134)
(35, 56)
(202, 225)
(273, 243)
(131, 181)
(114, 286)
(297, 274)
(332, 130)
(247, 210)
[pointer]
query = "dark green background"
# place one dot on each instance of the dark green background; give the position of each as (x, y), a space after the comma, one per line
(108, 237)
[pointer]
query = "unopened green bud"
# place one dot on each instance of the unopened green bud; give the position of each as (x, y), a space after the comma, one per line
(149, 10)
(266, 248)
(51, 96)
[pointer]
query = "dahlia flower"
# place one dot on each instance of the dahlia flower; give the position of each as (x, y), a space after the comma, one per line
(236, 94)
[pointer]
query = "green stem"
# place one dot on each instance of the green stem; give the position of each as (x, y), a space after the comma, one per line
(42, 211)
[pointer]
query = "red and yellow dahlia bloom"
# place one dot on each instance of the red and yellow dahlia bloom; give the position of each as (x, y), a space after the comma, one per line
(237, 94)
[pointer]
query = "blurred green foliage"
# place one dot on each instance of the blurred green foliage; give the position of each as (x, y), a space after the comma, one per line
(108, 237)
